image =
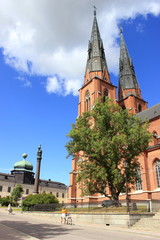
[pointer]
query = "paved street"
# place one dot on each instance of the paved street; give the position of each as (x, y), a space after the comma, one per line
(28, 227)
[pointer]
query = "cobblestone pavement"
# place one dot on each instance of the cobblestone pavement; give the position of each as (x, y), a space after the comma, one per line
(19, 226)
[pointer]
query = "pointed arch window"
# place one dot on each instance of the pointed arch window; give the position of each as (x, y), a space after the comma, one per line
(105, 94)
(157, 168)
(88, 104)
(139, 108)
(139, 180)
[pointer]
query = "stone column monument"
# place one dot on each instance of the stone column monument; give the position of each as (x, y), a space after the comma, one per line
(39, 158)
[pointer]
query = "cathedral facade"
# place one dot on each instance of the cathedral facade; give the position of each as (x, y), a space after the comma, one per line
(97, 84)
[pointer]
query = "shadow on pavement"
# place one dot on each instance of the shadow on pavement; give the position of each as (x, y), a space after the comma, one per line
(40, 230)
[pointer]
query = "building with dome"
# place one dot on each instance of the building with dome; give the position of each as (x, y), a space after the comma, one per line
(23, 171)
(23, 174)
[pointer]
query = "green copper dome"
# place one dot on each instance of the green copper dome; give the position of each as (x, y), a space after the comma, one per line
(24, 164)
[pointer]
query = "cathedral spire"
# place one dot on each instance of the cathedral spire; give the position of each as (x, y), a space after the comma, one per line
(96, 61)
(129, 91)
(128, 84)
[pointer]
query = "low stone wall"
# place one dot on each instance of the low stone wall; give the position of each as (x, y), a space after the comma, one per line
(123, 220)
(154, 205)
(107, 219)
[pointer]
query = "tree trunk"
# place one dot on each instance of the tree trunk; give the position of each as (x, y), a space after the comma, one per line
(115, 198)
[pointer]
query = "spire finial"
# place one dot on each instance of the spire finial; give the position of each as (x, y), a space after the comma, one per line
(94, 10)
(120, 29)
(24, 155)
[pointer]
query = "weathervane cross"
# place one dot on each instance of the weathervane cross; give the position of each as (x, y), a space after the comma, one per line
(94, 10)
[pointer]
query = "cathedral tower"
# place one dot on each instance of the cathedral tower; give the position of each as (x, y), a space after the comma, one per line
(96, 84)
(97, 79)
(129, 95)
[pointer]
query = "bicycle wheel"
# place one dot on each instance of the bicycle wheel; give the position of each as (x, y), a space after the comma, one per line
(69, 221)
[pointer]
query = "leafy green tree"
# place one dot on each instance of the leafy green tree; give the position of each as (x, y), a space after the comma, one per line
(42, 198)
(104, 138)
(17, 193)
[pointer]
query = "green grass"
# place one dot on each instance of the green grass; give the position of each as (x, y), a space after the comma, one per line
(122, 209)
(112, 209)
(17, 209)
(14, 208)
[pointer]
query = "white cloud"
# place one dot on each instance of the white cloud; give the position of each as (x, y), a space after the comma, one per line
(62, 86)
(53, 85)
(72, 85)
(50, 38)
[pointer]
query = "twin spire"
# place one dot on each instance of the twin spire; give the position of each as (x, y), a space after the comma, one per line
(128, 84)
(96, 62)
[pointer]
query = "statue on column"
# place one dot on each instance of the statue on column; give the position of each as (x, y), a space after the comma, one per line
(39, 153)
(39, 158)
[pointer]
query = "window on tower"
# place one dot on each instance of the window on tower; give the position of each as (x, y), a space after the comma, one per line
(105, 95)
(88, 104)
(139, 108)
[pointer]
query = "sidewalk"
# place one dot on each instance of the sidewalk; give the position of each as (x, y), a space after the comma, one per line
(10, 232)
(150, 232)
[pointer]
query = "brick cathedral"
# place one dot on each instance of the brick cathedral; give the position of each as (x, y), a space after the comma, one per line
(97, 84)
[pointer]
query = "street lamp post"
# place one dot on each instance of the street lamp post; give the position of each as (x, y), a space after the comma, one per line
(127, 197)
(73, 187)
(75, 196)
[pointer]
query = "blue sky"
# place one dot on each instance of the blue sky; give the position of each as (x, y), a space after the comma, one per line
(42, 65)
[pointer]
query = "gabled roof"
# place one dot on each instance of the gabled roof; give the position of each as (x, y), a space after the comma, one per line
(150, 113)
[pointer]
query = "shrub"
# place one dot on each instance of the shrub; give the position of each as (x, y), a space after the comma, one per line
(42, 198)
(4, 201)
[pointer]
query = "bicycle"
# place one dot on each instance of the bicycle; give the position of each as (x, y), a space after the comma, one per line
(68, 219)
